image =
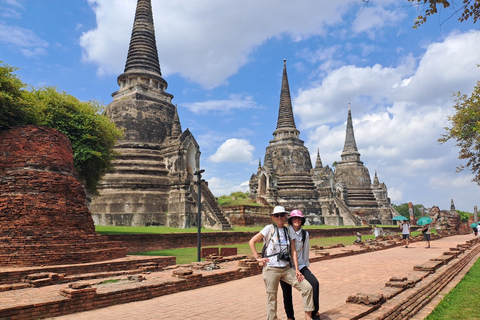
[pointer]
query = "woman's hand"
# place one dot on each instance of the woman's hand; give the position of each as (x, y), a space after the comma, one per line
(263, 261)
(299, 275)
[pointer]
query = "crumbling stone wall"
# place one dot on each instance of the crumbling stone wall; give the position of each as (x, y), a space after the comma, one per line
(43, 214)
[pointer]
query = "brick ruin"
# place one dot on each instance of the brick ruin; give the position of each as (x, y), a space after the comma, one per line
(44, 219)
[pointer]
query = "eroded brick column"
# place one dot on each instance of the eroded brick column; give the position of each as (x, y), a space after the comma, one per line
(43, 214)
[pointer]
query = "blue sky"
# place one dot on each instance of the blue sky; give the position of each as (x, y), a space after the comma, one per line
(223, 62)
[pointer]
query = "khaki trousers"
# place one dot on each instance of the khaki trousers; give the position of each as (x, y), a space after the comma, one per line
(272, 276)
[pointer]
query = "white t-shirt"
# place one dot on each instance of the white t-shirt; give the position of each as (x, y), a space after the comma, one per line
(276, 244)
(302, 246)
(405, 228)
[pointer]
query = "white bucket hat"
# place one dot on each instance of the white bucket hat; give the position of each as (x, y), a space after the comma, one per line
(278, 209)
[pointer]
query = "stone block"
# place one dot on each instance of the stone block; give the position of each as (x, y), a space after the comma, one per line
(205, 252)
(225, 252)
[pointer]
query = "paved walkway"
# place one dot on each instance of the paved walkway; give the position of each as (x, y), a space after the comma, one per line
(246, 299)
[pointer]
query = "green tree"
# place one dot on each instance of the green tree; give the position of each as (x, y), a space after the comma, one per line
(92, 135)
(465, 124)
(403, 210)
(465, 130)
(13, 108)
(468, 9)
(239, 195)
(464, 215)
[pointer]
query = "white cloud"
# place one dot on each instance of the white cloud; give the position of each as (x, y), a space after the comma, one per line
(34, 53)
(372, 19)
(398, 114)
(22, 38)
(208, 40)
(10, 9)
(395, 195)
(221, 187)
(234, 150)
(222, 106)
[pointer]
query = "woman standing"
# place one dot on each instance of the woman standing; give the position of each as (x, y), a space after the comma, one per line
(279, 253)
(302, 246)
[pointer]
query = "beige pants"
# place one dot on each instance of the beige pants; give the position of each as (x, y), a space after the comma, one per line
(272, 276)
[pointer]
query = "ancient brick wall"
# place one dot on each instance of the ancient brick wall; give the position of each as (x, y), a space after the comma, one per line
(43, 214)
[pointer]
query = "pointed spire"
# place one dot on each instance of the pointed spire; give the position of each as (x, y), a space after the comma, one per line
(142, 70)
(350, 144)
(285, 124)
(318, 163)
(452, 205)
(259, 163)
(376, 182)
(142, 53)
(350, 151)
(285, 111)
(176, 126)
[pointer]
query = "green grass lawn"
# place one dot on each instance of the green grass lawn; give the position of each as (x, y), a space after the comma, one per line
(189, 255)
(160, 229)
(462, 302)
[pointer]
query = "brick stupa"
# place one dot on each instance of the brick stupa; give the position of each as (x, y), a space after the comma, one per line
(44, 219)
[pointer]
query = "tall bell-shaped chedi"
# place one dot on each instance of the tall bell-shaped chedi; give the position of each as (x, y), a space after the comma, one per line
(366, 200)
(153, 181)
(285, 176)
(345, 196)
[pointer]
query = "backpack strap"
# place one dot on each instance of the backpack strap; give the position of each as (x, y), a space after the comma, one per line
(304, 237)
(266, 240)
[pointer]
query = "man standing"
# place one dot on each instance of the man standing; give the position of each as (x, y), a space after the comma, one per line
(405, 226)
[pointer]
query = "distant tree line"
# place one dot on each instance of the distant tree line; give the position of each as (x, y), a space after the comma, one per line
(403, 210)
(92, 135)
(417, 211)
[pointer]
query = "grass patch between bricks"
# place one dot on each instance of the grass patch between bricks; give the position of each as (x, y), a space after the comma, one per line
(110, 281)
(462, 302)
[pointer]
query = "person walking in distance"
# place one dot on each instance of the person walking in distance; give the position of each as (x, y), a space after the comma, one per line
(405, 227)
(278, 254)
(427, 234)
(302, 246)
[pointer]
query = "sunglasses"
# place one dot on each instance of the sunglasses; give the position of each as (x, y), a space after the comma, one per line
(278, 215)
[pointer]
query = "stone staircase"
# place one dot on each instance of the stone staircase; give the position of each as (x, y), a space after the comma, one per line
(211, 205)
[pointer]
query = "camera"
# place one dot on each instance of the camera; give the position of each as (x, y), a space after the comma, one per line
(284, 256)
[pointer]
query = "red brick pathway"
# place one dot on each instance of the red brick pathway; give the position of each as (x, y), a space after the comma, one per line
(246, 299)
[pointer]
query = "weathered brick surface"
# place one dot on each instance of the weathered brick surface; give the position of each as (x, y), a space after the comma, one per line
(44, 219)
(400, 302)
